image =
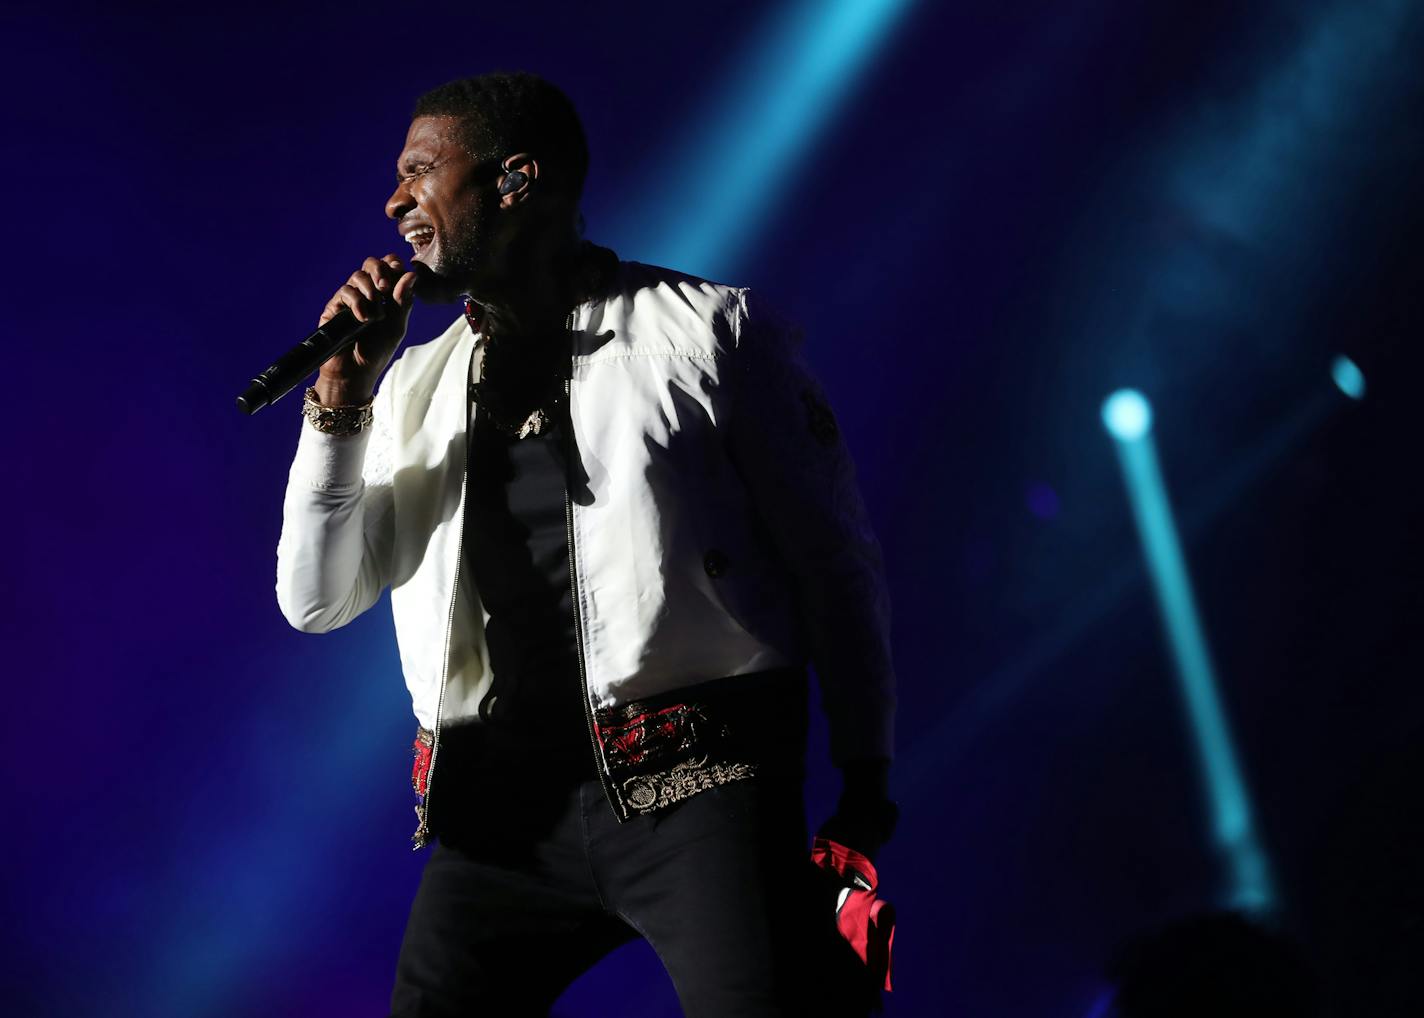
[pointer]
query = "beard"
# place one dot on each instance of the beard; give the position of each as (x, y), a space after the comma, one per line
(460, 263)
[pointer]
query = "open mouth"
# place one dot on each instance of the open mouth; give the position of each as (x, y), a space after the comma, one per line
(420, 239)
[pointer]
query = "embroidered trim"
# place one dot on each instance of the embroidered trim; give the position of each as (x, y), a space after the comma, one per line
(658, 753)
(423, 747)
(648, 793)
(637, 735)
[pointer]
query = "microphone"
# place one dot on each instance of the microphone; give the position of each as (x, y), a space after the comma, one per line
(339, 334)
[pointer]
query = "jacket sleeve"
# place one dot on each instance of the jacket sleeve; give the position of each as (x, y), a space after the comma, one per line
(334, 555)
(790, 454)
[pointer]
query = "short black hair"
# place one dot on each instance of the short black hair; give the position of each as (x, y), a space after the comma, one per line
(507, 112)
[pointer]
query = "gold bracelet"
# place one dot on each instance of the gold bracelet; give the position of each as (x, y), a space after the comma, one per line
(336, 420)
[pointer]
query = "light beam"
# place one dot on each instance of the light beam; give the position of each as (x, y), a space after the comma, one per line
(720, 183)
(1128, 417)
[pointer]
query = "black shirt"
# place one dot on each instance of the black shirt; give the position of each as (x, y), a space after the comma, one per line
(517, 550)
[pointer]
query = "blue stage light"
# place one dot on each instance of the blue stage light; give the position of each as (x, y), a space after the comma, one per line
(1348, 377)
(1127, 414)
(712, 194)
(1128, 418)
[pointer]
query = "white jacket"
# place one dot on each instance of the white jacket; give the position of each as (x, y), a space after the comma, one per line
(720, 531)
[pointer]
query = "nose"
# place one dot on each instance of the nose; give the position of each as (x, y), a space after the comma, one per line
(400, 202)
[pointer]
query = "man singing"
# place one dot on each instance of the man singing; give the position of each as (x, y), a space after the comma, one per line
(617, 521)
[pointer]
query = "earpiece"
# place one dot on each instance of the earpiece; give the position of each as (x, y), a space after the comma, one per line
(513, 181)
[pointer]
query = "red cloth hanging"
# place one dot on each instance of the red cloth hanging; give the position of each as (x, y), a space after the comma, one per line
(866, 922)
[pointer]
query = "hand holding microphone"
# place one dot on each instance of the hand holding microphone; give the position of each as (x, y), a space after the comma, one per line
(381, 292)
(357, 334)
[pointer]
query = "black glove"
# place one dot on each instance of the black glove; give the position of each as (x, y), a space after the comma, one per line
(865, 817)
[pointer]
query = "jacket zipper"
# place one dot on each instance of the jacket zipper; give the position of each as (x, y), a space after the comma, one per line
(572, 450)
(422, 832)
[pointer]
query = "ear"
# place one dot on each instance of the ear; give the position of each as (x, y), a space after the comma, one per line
(520, 162)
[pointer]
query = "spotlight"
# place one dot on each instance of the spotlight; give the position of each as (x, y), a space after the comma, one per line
(1348, 377)
(1127, 415)
(1128, 418)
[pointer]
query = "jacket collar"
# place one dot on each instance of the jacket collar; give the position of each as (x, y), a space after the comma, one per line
(594, 271)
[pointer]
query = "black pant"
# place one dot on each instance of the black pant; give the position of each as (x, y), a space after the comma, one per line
(535, 879)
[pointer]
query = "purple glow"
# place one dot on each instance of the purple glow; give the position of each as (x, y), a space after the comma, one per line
(1042, 501)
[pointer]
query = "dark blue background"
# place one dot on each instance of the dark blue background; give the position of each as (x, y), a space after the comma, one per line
(1009, 214)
